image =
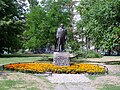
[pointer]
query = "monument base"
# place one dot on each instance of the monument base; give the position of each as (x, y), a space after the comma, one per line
(61, 58)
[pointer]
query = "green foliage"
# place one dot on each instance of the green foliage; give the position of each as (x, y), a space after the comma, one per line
(11, 25)
(74, 45)
(93, 54)
(100, 20)
(88, 54)
(43, 21)
(36, 33)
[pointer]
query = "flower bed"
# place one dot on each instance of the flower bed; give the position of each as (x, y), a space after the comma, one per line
(35, 67)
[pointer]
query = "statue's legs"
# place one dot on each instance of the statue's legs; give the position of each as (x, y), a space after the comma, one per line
(59, 45)
(62, 47)
(59, 48)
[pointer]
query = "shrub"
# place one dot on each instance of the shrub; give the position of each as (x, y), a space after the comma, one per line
(93, 54)
(88, 54)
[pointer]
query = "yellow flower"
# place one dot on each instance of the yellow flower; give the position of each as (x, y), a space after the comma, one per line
(44, 67)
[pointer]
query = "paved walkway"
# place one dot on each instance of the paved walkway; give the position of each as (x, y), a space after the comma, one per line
(70, 82)
(68, 78)
(74, 86)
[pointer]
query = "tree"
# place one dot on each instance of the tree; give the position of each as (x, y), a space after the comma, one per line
(37, 32)
(101, 22)
(11, 25)
(43, 21)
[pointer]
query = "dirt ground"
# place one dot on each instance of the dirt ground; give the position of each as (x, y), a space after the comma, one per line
(105, 59)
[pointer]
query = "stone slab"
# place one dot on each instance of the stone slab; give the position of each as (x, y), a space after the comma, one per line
(61, 58)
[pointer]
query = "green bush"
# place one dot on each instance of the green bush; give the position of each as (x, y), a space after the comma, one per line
(93, 54)
(88, 54)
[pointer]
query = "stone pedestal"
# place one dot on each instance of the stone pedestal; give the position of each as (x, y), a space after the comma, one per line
(61, 58)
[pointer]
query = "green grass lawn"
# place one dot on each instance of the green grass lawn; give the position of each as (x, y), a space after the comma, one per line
(17, 85)
(6, 59)
(9, 84)
(18, 59)
(110, 87)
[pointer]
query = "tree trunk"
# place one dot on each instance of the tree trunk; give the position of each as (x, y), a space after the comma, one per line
(109, 52)
(8, 50)
(86, 43)
(82, 42)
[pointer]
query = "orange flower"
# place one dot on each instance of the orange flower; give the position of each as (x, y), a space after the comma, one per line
(46, 67)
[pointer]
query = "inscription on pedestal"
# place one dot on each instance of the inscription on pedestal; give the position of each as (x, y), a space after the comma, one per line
(61, 58)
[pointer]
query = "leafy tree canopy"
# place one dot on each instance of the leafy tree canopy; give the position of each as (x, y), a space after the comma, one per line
(101, 22)
(11, 25)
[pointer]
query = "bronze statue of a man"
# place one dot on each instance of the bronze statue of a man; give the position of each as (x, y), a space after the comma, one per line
(61, 37)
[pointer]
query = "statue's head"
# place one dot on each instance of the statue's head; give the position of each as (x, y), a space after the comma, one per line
(61, 25)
